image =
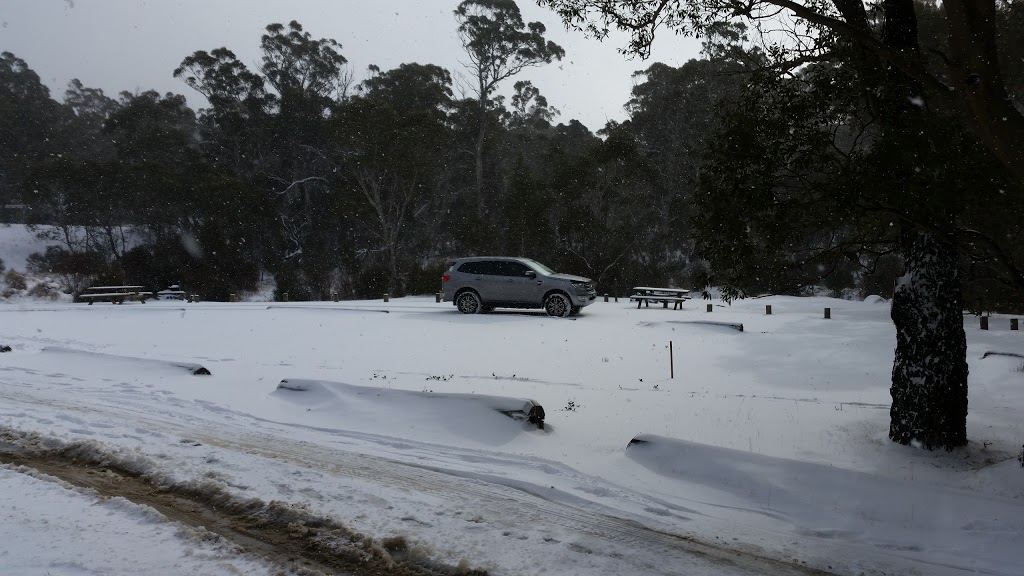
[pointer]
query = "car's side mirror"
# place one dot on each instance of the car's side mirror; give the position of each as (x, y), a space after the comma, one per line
(531, 274)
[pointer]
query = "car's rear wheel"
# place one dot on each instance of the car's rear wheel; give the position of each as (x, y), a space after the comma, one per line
(557, 305)
(469, 303)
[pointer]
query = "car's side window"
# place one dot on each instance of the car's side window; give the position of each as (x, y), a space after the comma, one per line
(470, 268)
(489, 268)
(516, 269)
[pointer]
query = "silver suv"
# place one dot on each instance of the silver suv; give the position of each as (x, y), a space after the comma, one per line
(482, 284)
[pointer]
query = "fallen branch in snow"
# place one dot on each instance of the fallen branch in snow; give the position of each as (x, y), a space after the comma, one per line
(1006, 354)
(194, 369)
(732, 325)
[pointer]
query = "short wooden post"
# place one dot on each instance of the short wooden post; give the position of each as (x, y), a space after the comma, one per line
(387, 297)
(768, 309)
(671, 362)
(334, 296)
(232, 298)
(284, 297)
(828, 313)
(709, 307)
(605, 297)
(616, 299)
(984, 322)
(1014, 324)
(437, 297)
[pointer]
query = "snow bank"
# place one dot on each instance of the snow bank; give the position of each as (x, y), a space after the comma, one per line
(136, 363)
(491, 419)
(940, 525)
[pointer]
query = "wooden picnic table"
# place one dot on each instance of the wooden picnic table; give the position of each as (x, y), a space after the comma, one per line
(171, 295)
(115, 294)
(644, 295)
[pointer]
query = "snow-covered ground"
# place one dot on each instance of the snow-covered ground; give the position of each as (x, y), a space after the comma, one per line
(771, 441)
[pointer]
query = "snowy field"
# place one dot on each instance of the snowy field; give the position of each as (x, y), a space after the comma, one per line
(770, 441)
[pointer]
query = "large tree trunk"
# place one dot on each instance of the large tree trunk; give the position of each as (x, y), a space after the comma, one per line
(929, 374)
(481, 136)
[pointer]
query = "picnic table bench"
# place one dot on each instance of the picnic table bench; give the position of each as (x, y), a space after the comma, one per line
(172, 293)
(644, 295)
(115, 294)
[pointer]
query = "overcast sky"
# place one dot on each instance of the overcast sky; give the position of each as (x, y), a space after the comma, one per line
(136, 44)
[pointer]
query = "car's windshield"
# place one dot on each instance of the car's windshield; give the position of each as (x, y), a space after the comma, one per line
(539, 267)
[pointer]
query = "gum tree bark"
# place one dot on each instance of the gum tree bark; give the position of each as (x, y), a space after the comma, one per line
(929, 374)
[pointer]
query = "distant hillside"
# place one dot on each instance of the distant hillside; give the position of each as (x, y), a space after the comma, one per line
(17, 243)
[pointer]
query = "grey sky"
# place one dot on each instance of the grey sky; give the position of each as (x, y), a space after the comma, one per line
(136, 44)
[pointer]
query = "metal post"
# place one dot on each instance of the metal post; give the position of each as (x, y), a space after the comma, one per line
(437, 297)
(984, 322)
(605, 297)
(386, 297)
(709, 307)
(231, 298)
(334, 296)
(284, 297)
(828, 313)
(768, 309)
(1014, 324)
(671, 362)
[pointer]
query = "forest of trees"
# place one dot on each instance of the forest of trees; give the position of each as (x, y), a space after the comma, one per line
(744, 169)
(860, 147)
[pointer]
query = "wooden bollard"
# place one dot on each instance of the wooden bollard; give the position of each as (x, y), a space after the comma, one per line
(1014, 324)
(284, 297)
(232, 298)
(709, 307)
(768, 309)
(984, 322)
(387, 297)
(616, 299)
(437, 298)
(605, 297)
(334, 296)
(828, 313)
(671, 362)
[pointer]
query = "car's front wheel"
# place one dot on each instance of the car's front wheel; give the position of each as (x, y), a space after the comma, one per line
(469, 303)
(557, 305)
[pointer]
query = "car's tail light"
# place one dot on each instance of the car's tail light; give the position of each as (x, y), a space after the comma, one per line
(445, 278)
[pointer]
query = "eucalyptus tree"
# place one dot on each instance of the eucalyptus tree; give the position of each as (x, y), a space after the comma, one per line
(499, 45)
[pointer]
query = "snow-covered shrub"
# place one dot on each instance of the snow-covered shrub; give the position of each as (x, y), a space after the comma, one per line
(74, 270)
(15, 281)
(44, 290)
